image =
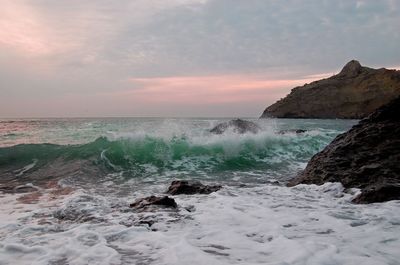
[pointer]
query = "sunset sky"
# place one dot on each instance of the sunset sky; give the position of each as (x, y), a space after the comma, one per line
(75, 58)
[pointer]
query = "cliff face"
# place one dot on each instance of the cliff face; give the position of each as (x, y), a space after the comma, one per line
(352, 94)
(365, 157)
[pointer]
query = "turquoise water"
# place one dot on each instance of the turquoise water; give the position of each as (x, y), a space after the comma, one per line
(66, 186)
(156, 147)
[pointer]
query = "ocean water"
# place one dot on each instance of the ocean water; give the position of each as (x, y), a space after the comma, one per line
(66, 186)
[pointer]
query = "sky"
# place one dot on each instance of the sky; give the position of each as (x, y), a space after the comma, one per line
(181, 58)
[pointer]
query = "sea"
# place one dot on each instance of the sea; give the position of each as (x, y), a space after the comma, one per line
(66, 186)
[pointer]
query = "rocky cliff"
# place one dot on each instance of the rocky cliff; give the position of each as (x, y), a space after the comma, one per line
(352, 94)
(365, 157)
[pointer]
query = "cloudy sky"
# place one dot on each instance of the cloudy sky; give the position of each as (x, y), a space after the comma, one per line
(69, 58)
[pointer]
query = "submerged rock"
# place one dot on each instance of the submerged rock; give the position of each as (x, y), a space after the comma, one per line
(365, 157)
(238, 126)
(191, 187)
(354, 93)
(296, 131)
(84, 208)
(164, 201)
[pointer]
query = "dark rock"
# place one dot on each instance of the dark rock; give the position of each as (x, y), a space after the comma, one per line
(296, 131)
(164, 201)
(146, 222)
(190, 187)
(239, 126)
(354, 93)
(379, 194)
(351, 69)
(190, 208)
(365, 157)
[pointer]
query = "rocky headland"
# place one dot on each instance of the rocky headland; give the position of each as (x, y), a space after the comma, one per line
(354, 93)
(366, 157)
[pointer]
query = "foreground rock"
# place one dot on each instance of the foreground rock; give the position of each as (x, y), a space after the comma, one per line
(354, 93)
(365, 157)
(144, 203)
(190, 187)
(238, 126)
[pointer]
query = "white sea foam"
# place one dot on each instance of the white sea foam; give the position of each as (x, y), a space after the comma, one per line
(266, 224)
(250, 221)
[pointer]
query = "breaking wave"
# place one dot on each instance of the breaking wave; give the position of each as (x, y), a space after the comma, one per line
(140, 153)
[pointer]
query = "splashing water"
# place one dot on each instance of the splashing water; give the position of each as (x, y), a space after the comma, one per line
(175, 148)
(82, 174)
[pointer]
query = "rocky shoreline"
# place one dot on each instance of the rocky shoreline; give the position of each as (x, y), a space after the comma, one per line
(366, 157)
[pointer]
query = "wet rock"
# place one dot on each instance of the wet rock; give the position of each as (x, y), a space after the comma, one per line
(238, 126)
(379, 194)
(354, 93)
(164, 201)
(366, 157)
(191, 187)
(149, 223)
(190, 208)
(296, 131)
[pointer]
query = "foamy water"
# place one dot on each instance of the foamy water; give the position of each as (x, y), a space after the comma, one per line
(266, 224)
(76, 210)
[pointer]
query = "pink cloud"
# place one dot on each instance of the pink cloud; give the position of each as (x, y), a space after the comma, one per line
(190, 96)
(212, 89)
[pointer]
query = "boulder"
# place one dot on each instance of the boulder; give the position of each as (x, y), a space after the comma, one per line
(366, 157)
(190, 187)
(164, 201)
(238, 126)
(354, 93)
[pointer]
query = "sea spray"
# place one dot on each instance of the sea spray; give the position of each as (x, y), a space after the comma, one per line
(80, 175)
(211, 154)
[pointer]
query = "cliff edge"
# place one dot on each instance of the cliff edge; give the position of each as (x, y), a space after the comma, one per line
(354, 93)
(366, 157)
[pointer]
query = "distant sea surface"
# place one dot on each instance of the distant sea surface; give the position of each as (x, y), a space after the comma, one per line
(66, 185)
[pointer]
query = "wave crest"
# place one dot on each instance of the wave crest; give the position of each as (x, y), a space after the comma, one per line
(138, 154)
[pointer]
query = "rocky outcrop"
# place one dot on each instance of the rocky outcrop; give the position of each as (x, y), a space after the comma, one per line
(238, 126)
(190, 187)
(365, 157)
(144, 203)
(354, 93)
